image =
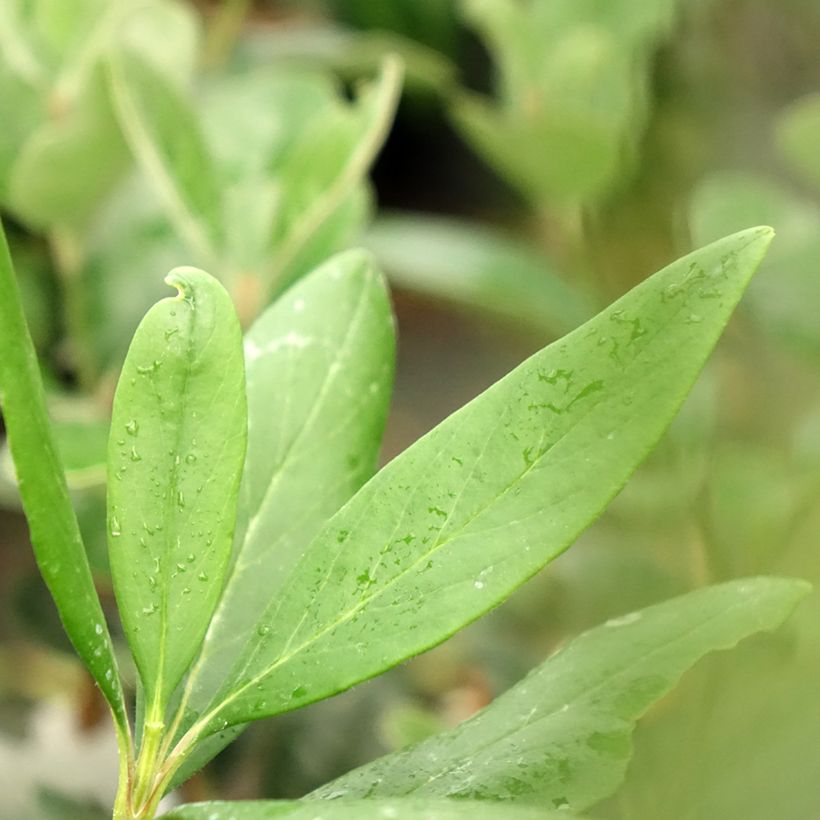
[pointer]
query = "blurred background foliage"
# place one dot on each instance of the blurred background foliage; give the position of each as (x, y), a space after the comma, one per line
(538, 159)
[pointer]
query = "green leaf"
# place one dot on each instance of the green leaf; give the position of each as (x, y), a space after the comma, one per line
(468, 513)
(165, 137)
(798, 134)
(67, 165)
(55, 534)
(782, 301)
(562, 737)
(573, 92)
(177, 444)
(320, 371)
(473, 267)
(361, 810)
(324, 170)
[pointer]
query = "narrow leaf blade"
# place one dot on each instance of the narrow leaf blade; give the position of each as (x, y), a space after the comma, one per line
(55, 533)
(562, 737)
(177, 444)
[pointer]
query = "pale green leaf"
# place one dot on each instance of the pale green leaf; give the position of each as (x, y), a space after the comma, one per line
(573, 92)
(164, 135)
(55, 534)
(460, 519)
(68, 164)
(177, 444)
(329, 162)
(798, 135)
(562, 737)
(474, 267)
(319, 368)
(361, 810)
(782, 301)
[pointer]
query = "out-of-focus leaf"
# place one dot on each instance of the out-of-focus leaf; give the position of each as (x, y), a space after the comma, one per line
(572, 92)
(349, 53)
(127, 244)
(361, 810)
(418, 552)
(562, 737)
(67, 165)
(320, 371)
(63, 150)
(434, 23)
(55, 534)
(164, 135)
(177, 444)
(798, 137)
(322, 173)
(476, 268)
(782, 301)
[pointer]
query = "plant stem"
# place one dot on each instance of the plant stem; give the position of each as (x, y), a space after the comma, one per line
(147, 765)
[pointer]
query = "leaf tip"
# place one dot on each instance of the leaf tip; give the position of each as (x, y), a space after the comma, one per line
(186, 280)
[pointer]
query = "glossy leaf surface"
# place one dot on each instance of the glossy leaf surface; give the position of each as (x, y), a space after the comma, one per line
(176, 449)
(319, 371)
(55, 533)
(468, 513)
(562, 737)
(361, 810)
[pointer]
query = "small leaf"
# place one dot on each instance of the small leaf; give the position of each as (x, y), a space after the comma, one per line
(55, 534)
(562, 737)
(164, 134)
(319, 371)
(362, 810)
(448, 529)
(176, 449)
(473, 267)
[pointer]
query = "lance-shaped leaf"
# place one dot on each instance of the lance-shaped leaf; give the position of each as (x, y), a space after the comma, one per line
(473, 267)
(562, 737)
(319, 370)
(55, 533)
(176, 449)
(166, 139)
(362, 810)
(468, 513)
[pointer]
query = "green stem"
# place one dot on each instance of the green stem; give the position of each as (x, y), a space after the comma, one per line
(148, 765)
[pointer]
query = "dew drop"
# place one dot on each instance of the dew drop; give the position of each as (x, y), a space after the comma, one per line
(190, 458)
(203, 576)
(135, 456)
(132, 428)
(99, 629)
(115, 527)
(262, 630)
